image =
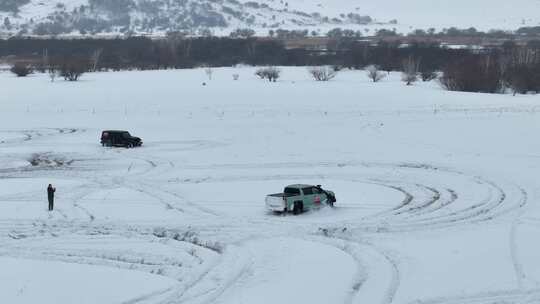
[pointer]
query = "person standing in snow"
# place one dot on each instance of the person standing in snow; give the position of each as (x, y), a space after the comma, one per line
(50, 196)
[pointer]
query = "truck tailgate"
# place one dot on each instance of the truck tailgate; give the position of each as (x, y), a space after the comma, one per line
(275, 202)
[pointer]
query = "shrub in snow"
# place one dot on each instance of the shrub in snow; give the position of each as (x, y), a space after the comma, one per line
(374, 73)
(53, 73)
(410, 70)
(323, 73)
(269, 73)
(522, 79)
(72, 69)
(21, 69)
(480, 73)
(189, 236)
(428, 75)
(242, 33)
(235, 76)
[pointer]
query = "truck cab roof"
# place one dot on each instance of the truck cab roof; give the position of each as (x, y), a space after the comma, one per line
(114, 131)
(300, 186)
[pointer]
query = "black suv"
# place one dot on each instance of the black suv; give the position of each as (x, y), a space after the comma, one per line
(116, 138)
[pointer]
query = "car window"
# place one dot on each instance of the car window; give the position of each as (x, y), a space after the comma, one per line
(316, 190)
(125, 135)
(308, 191)
(294, 191)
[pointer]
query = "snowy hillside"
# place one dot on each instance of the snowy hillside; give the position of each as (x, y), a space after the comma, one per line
(437, 192)
(221, 17)
(160, 16)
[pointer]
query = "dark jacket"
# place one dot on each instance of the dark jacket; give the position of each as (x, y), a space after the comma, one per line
(50, 192)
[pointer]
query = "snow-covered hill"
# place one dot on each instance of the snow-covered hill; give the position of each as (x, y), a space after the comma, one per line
(157, 17)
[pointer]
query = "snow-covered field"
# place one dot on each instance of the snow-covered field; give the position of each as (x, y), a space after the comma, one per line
(437, 191)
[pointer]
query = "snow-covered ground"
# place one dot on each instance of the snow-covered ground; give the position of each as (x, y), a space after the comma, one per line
(437, 191)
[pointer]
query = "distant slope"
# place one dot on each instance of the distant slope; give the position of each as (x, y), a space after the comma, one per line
(156, 17)
(412, 14)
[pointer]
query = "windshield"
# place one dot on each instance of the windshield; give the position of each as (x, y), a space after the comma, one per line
(126, 135)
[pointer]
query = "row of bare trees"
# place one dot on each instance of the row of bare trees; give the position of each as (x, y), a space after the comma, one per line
(517, 70)
(410, 74)
(69, 68)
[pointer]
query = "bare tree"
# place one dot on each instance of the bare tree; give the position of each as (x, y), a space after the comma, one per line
(269, 73)
(53, 73)
(410, 70)
(44, 61)
(94, 59)
(21, 69)
(521, 70)
(209, 72)
(323, 73)
(374, 73)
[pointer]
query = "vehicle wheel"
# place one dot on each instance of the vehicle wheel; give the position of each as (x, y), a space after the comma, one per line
(296, 208)
(129, 145)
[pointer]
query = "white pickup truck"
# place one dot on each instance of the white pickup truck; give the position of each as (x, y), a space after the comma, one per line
(298, 198)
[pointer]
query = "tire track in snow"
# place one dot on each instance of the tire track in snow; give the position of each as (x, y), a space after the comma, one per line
(436, 195)
(357, 249)
(151, 297)
(77, 200)
(177, 202)
(233, 266)
(453, 197)
(518, 267)
(514, 252)
(59, 250)
(421, 216)
(32, 134)
(496, 297)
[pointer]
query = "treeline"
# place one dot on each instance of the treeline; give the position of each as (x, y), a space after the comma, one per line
(532, 32)
(143, 53)
(178, 52)
(516, 69)
(529, 31)
(490, 70)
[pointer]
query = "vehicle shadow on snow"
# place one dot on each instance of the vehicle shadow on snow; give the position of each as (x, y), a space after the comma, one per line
(313, 212)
